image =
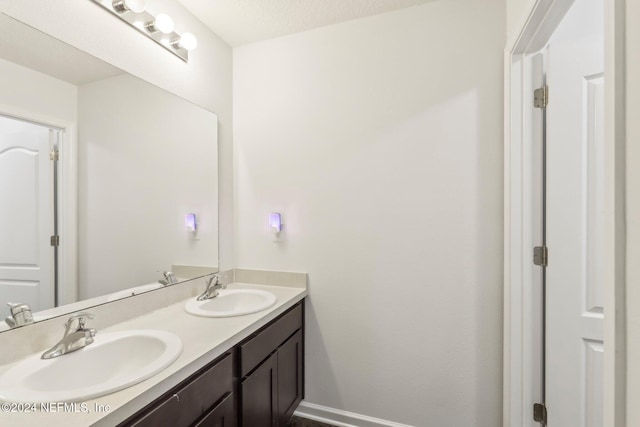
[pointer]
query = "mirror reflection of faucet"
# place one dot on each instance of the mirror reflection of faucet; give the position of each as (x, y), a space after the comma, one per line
(75, 337)
(169, 279)
(21, 315)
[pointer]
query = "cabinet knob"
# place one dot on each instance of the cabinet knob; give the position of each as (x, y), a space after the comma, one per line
(176, 396)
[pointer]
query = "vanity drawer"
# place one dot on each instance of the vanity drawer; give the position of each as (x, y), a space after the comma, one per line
(223, 415)
(264, 342)
(189, 401)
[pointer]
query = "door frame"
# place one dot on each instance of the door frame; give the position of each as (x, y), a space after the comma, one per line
(67, 199)
(519, 324)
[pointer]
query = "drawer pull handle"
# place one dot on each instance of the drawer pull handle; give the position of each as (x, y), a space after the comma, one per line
(177, 397)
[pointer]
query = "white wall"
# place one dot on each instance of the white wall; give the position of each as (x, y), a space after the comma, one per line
(206, 80)
(146, 158)
(517, 14)
(25, 92)
(380, 141)
(633, 211)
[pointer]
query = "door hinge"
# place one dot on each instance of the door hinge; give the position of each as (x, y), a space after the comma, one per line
(55, 240)
(541, 256)
(541, 97)
(54, 155)
(540, 413)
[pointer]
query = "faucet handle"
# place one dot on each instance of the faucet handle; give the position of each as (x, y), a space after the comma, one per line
(18, 307)
(81, 318)
(218, 280)
(20, 314)
(170, 278)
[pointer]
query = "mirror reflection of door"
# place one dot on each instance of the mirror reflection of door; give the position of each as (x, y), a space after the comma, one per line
(27, 214)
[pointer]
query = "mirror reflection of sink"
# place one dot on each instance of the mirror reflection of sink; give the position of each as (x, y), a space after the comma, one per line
(133, 291)
(115, 361)
(232, 302)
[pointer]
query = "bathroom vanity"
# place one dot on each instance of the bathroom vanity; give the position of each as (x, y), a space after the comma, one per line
(243, 370)
(258, 382)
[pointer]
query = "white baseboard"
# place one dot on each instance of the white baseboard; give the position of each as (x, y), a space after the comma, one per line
(340, 418)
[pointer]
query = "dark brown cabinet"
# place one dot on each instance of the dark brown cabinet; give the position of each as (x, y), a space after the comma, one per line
(223, 415)
(290, 373)
(194, 400)
(271, 372)
(258, 395)
(258, 383)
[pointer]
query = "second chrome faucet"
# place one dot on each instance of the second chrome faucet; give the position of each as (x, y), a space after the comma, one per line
(213, 286)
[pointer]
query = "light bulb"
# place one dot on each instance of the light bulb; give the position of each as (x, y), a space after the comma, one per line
(163, 23)
(188, 41)
(136, 6)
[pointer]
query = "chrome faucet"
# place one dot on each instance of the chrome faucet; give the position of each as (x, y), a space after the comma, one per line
(76, 336)
(169, 278)
(213, 285)
(20, 315)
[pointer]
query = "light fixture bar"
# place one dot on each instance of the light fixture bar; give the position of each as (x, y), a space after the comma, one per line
(146, 23)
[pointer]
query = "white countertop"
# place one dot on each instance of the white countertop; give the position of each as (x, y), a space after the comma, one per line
(203, 340)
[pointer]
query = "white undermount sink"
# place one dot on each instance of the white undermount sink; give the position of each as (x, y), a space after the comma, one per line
(232, 302)
(115, 361)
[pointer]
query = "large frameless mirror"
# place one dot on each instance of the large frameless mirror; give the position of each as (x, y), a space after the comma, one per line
(107, 183)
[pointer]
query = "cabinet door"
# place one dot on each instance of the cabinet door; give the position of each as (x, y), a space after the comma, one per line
(189, 400)
(258, 395)
(260, 345)
(223, 415)
(290, 370)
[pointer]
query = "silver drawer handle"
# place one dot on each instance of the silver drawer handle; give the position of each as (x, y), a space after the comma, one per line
(177, 397)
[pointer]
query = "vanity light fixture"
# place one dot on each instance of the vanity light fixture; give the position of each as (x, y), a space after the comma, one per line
(162, 23)
(187, 41)
(159, 28)
(135, 6)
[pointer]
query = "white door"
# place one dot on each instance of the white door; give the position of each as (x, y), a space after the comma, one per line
(26, 215)
(575, 203)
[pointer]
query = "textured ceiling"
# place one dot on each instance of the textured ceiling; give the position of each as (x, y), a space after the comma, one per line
(240, 22)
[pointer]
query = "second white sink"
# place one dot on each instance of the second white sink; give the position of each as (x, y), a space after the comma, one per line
(115, 360)
(232, 302)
